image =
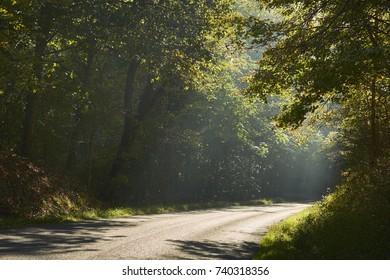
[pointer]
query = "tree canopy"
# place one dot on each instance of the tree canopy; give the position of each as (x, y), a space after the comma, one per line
(326, 54)
(321, 52)
(142, 101)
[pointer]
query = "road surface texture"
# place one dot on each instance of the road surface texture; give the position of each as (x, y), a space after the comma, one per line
(228, 233)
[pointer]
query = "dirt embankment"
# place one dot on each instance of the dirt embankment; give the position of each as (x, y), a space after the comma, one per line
(30, 190)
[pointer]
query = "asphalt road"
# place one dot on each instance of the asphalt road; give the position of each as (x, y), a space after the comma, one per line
(228, 233)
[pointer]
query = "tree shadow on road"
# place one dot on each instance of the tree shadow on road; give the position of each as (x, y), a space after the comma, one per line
(56, 239)
(216, 250)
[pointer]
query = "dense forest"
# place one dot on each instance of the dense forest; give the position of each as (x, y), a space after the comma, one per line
(143, 102)
(168, 101)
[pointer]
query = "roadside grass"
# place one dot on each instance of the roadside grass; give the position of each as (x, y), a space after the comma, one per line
(352, 223)
(104, 213)
(280, 240)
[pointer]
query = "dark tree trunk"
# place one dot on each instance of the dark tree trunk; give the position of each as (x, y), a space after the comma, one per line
(148, 99)
(45, 22)
(129, 123)
(373, 127)
(71, 157)
(85, 79)
(28, 124)
(132, 120)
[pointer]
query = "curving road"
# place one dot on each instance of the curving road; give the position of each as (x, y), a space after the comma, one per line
(228, 233)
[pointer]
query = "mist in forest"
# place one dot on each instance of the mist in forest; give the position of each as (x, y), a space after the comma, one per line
(145, 105)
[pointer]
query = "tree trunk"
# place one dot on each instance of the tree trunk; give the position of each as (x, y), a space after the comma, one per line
(28, 124)
(85, 79)
(148, 99)
(71, 157)
(45, 22)
(129, 123)
(373, 127)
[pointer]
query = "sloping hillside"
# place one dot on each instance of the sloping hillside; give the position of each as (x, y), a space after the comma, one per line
(28, 190)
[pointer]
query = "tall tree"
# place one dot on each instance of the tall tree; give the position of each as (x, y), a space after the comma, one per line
(172, 38)
(33, 32)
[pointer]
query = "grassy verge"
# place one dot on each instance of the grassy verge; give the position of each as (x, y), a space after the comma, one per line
(280, 240)
(352, 223)
(101, 213)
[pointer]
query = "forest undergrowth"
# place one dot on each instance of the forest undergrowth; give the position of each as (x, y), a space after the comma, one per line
(33, 194)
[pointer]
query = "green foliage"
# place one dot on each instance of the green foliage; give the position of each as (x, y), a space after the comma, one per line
(320, 51)
(352, 223)
(330, 60)
(191, 135)
(214, 145)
